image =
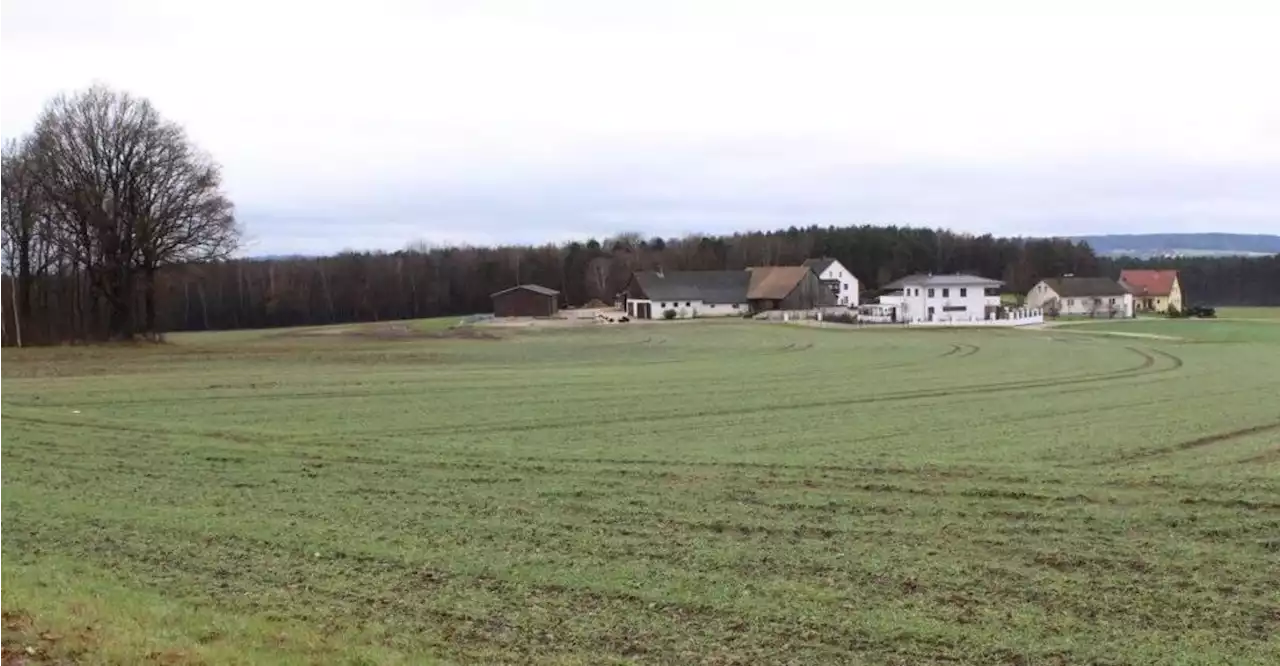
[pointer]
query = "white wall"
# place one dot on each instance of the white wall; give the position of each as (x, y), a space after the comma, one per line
(971, 306)
(1041, 295)
(1021, 318)
(689, 309)
(848, 283)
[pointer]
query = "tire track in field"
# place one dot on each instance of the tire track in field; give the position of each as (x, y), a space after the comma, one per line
(1198, 442)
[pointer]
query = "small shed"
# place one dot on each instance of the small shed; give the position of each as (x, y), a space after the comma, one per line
(526, 300)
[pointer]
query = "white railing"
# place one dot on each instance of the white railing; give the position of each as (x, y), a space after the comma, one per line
(1015, 317)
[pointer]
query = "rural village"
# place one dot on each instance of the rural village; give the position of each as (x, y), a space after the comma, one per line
(823, 289)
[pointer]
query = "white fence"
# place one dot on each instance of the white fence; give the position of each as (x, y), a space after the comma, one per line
(1028, 319)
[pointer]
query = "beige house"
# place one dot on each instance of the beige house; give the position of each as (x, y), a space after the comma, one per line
(1153, 291)
(1081, 297)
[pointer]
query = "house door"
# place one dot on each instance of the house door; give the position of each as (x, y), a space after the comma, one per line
(930, 313)
(643, 311)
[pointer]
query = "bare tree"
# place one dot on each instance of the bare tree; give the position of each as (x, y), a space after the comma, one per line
(129, 194)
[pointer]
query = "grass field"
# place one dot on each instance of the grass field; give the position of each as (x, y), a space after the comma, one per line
(719, 493)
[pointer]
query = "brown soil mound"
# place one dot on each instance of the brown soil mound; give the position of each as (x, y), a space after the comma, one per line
(595, 304)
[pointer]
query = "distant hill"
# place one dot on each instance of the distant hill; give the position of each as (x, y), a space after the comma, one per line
(1183, 245)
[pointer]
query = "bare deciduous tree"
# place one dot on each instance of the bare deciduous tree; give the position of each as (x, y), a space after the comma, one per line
(128, 193)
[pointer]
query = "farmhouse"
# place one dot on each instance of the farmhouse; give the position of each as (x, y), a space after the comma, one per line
(650, 294)
(1086, 296)
(1153, 291)
(526, 300)
(688, 294)
(942, 298)
(837, 278)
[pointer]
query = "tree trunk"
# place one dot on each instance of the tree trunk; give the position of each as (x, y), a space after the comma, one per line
(149, 302)
(17, 310)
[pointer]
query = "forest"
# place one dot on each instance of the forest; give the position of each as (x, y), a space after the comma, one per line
(116, 227)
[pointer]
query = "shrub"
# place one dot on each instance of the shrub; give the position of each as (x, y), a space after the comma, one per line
(668, 314)
(1173, 312)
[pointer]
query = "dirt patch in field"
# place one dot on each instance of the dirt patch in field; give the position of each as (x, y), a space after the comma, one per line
(1073, 327)
(27, 644)
(394, 331)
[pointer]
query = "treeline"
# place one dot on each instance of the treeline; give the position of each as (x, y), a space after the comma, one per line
(101, 201)
(428, 282)
(1215, 280)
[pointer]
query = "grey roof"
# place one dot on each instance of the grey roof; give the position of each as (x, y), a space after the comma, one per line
(819, 265)
(535, 288)
(1075, 287)
(705, 286)
(952, 280)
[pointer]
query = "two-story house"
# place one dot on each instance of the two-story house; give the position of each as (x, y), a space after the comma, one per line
(1081, 296)
(943, 298)
(837, 278)
(1153, 291)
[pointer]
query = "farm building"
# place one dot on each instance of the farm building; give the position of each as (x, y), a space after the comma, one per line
(837, 278)
(942, 298)
(1084, 296)
(688, 294)
(786, 288)
(649, 294)
(526, 300)
(1153, 291)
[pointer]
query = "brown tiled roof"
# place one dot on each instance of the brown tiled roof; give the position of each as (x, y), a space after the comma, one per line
(775, 282)
(1149, 282)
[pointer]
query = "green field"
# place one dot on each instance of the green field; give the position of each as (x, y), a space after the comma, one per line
(677, 493)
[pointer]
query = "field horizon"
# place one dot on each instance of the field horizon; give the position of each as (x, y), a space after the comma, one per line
(708, 492)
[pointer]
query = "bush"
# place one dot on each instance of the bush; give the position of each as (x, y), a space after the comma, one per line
(1173, 313)
(668, 314)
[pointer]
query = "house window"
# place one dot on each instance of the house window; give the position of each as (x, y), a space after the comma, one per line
(964, 292)
(687, 304)
(846, 286)
(1071, 302)
(930, 293)
(1113, 301)
(711, 305)
(664, 305)
(735, 306)
(946, 293)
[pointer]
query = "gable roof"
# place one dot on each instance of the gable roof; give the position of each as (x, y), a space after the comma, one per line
(775, 282)
(1148, 282)
(952, 280)
(535, 288)
(705, 286)
(1076, 287)
(819, 266)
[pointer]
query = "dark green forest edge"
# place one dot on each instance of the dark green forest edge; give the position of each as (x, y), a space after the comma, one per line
(116, 226)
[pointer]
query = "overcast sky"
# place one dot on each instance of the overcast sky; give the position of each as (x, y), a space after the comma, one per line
(373, 124)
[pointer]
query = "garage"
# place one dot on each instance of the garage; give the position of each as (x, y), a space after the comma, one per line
(526, 300)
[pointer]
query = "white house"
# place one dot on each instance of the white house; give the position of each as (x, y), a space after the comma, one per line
(943, 298)
(837, 278)
(1082, 296)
